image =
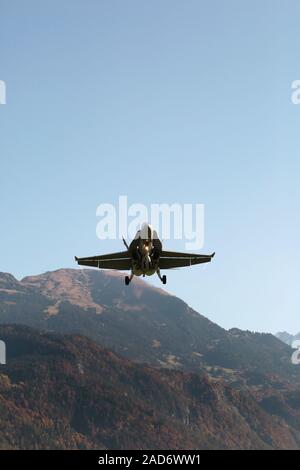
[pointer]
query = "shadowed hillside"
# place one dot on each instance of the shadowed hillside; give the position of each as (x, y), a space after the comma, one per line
(68, 392)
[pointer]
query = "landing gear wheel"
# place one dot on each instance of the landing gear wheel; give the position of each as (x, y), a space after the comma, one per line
(127, 280)
(164, 279)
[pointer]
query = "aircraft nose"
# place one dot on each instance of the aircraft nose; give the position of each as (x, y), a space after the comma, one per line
(146, 231)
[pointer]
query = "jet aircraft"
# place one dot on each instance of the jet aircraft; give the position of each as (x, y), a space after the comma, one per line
(144, 257)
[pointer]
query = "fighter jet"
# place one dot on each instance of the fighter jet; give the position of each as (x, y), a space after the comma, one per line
(144, 257)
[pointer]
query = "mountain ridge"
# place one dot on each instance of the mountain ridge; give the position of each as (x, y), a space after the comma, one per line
(142, 325)
(287, 337)
(67, 392)
(139, 322)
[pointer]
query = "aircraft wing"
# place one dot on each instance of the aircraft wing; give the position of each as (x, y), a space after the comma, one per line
(120, 261)
(173, 259)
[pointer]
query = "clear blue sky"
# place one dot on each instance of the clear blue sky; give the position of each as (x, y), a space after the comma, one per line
(165, 101)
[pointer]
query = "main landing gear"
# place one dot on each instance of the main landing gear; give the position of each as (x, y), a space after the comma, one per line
(162, 278)
(128, 279)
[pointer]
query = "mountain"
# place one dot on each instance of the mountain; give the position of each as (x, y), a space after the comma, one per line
(67, 392)
(144, 324)
(162, 334)
(287, 337)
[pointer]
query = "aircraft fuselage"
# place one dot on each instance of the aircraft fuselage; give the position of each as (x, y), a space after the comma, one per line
(145, 250)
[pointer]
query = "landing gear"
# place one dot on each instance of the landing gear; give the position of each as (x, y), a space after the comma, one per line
(162, 278)
(128, 279)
